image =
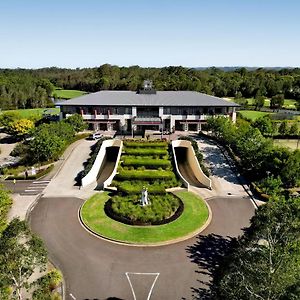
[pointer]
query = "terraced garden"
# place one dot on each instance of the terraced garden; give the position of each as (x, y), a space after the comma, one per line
(169, 217)
(144, 164)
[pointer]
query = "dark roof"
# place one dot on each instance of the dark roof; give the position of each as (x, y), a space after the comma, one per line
(161, 98)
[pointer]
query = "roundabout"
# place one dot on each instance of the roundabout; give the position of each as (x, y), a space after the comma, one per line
(194, 218)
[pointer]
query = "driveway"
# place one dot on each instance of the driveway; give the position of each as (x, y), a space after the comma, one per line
(96, 269)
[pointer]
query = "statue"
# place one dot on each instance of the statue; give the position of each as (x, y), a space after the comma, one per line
(144, 199)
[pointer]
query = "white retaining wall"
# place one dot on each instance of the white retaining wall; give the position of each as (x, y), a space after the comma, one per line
(91, 177)
(193, 162)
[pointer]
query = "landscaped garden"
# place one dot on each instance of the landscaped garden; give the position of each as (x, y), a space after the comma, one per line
(193, 217)
(122, 216)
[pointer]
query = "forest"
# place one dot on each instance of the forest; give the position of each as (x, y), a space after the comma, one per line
(30, 88)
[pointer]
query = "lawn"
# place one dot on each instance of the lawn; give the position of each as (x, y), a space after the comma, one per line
(34, 112)
(68, 94)
(288, 103)
(252, 114)
(289, 143)
(193, 217)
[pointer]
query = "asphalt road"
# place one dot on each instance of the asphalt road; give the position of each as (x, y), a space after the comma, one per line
(97, 269)
(19, 187)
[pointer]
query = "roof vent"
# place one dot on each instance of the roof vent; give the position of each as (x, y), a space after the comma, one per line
(147, 88)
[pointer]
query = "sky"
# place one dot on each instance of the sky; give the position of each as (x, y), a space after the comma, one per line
(152, 33)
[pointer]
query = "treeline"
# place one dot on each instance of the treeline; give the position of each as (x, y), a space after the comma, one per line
(19, 89)
(212, 81)
(28, 88)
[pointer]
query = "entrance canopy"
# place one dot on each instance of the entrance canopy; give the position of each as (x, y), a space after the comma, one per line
(147, 121)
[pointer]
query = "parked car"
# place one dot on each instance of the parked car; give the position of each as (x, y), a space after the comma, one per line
(96, 136)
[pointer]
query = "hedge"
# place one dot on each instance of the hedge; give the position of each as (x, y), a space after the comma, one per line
(135, 187)
(147, 162)
(144, 151)
(32, 177)
(145, 174)
(145, 144)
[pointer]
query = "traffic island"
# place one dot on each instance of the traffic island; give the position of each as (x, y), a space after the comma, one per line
(194, 218)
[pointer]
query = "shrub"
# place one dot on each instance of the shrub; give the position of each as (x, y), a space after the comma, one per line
(145, 175)
(147, 162)
(144, 151)
(146, 144)
(161, 207)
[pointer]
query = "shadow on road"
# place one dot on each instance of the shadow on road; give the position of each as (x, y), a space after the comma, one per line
(208, 253)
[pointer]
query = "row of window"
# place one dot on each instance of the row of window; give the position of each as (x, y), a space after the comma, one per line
(146, 111)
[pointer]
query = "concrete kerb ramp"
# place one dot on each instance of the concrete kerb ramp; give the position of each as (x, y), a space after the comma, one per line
(187, 165)
(99, 165)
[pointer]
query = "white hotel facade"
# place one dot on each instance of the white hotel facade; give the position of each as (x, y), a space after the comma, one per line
(147, 109)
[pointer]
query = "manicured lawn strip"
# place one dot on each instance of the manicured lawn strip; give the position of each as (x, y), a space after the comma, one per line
(193, 217)
(34, 112)
(252, 114)
(144, 174)
(144, 151)
(68, 94)
(154, 163)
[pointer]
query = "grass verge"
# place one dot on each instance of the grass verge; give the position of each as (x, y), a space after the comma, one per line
(192, 219)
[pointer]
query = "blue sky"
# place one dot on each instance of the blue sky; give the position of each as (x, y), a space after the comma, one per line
(191, 33)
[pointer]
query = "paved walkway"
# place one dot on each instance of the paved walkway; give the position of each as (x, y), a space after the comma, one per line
(63, 184)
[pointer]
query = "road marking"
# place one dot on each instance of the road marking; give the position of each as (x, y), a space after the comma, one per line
(32, 190)
(42, 181)
(136, 273)
(71, 295)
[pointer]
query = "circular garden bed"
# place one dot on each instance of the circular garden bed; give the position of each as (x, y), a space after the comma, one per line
(191, 221)
(128, 209)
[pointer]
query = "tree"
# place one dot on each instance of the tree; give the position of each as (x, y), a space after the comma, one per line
(259, 101)
(264, 124)
(277, 101)
(294, 130)
(290, 174)
(265, 263)
(77, 122)
(5, 204)
(283, 128)
(45, 146)
(20, 127)
(21, 253)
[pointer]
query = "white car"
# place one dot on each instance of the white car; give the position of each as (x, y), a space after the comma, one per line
(96, 136)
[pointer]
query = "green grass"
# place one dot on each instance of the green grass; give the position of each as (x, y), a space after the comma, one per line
(193, 217)
(288, 103)
(68, 94)
(289, 143)
(34, 112)
(252, 114)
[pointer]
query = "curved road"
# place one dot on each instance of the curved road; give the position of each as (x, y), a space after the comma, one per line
(96, 269)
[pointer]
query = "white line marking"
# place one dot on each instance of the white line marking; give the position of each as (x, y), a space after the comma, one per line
(42, 181)
(36, 187)
(72, 296)
(32, 190)
(136, 273)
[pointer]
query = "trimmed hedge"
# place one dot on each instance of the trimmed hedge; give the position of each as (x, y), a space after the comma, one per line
(146, 144)
(145, 174)
(144, 151)
(135, 187)
(147, 162)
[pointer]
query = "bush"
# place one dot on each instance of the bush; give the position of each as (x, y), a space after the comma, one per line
(146, 144)
(135, 187)
(161, 207)
(147, 162)
(143, 151)
(145, 175)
